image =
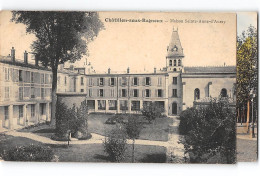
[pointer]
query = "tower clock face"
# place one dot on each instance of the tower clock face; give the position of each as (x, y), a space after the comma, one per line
(175, 48)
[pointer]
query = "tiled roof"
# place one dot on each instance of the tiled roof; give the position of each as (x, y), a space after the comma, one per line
(210, 69)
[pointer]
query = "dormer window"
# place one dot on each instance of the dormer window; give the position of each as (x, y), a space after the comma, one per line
(175, 48)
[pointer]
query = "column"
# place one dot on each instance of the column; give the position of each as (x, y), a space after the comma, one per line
(37, 113)
(96, 105)
(117, 106)
(11, 118)
(107, 105)
(47, 111)
(141, 104)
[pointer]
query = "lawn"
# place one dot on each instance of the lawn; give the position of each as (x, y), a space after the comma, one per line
(89, 152)
(156, 131)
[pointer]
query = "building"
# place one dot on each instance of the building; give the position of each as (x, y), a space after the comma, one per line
(25, 91)
(25, 88)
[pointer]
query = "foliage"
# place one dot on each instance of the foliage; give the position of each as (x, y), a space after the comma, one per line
(247, 66)
(118, 118)
(151, 111)
(116, 144)
(71, 120)
(186, 120)
(29, 153)
(60, 37)
(211, 131)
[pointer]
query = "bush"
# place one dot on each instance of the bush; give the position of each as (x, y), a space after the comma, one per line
(118, 118)
(115, 144)
(29, 153)
(151, 111)
(186, 120)
(211, 132)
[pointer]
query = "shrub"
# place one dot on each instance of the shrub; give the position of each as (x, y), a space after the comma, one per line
(28, 153)
(151, 111)
(115, 144)
(117, 118)
(212, 132)
(186, 120)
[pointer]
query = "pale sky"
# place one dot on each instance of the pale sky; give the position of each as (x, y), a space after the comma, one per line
(143, 45)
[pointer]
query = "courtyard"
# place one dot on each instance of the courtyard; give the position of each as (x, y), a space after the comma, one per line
(151, 146)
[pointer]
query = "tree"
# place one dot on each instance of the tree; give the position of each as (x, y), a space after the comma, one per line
(60, 37)
(211, 131)
(151, 111)
(116, 144)
(133, 129)
(247, 66)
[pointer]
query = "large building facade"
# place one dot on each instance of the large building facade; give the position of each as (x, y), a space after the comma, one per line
(25, 89)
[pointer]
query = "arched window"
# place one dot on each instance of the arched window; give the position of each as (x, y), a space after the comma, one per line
(170, 63)
(179, 62)
(174, 62)
(196, 94)
(223, 92)
(174, 69)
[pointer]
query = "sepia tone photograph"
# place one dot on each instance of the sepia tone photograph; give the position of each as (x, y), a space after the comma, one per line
(123, 87)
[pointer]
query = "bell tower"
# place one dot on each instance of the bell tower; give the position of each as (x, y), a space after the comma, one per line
(174, 58)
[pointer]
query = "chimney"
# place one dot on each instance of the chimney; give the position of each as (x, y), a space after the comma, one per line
(25, 57)
(154, 70)
(128, 70)
(13, 54)
(108, 70)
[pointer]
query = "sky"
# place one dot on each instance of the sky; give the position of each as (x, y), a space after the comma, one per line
(142, 46)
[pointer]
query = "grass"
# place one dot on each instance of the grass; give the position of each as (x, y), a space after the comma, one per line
(156, 131)
(89, 152)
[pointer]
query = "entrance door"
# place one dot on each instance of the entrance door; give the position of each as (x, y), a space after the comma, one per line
(174, 108)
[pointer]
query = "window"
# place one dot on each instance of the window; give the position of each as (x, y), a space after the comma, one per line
(20, 93)
(82, 81)
(112, 92)
(20, 75)
(32, 110)
(179, 62)
(135, 106)
(91, 104)
(65, 80)
(32, 92)
(223, 92)
(170, 63)
(147, 93)
(6, 113)
(174, 80)
(112, 81)
(42, 93)
(147, 81)
(174, 62)
(90, 92)
(123, 105)
(174, 69)
(123, 92)
(174, 92)
(159, 93)
(90, 82)
(47, 78)
(32, 77)
(101, 81)
(135, 81)
(7, 93)
(135, 92)
(20, 111)
(159, 81)
(101, 104)
(6, 74)
(196, 94)
(112, 104)
(42, 108)
(42, 79)
(81, 90)
(101, 92)
(58, 80)
(124, 81)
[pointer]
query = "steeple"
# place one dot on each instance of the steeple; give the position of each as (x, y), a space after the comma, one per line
(175, 49)
(174, 53)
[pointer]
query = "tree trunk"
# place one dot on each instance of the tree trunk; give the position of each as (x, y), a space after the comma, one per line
(53, 96)
(133, 151)
(248, 116)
